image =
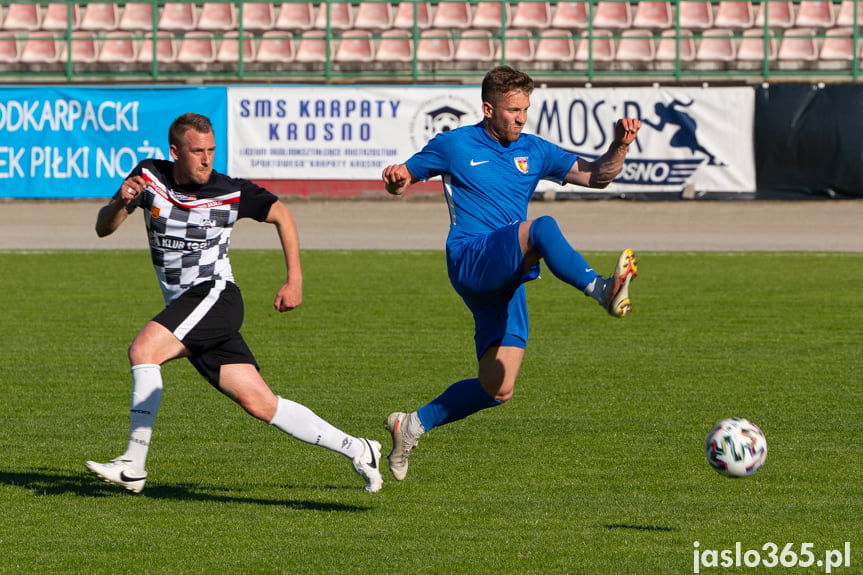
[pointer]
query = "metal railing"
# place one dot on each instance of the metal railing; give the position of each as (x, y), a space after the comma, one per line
(235, 51)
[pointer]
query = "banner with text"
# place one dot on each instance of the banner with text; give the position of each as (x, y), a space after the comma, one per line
(338, 133)
(697, 138)
(81, 142)
(691, 137)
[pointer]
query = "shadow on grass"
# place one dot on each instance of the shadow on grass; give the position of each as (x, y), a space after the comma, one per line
(51, 482)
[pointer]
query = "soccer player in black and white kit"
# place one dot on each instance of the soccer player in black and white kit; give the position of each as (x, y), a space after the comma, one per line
(189, 212)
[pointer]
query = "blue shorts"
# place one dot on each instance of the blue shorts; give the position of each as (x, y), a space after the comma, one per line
(486, 270)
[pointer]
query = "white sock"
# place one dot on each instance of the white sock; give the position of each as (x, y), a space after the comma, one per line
(146, 397)
(596, 289)
(301, 423)
(414, 426)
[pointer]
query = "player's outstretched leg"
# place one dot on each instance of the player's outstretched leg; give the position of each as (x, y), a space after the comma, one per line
(615, 293)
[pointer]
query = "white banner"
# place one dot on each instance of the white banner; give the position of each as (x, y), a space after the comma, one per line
(699, 139)
(337, 133)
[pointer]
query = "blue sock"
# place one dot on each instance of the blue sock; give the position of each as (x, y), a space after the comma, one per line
(457, 402)
(563, 261)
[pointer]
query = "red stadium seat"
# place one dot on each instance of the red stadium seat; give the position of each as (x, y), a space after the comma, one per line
(475, 46)
(799, 45)
(490, 15)
(355, 46)
(197, 47)
(395, 46)
(614, 15)
(406, 11)
(451, 15)
(276, 46)
(717, 45)
(599, 49)
(118, 47)
(554, 45)
(752, 46)
(435, 46)
(374, 16)
(295, 16)
(780, 14)
(166, 48)
(734, 14)
(57, 17)
(229, 49)
(312, 47)
(340, 16)
(570, 15)
(177, 16)
(10, 47)
(667, 47)
(258, 16)
(100, 16)
(636, 46)
(838, 45)
(653, 15)
(695, 14)
(519, 46)
(41, 47)
(137, 16)
(21, 16)
(532, 15)
(815, 14)
(217, 17)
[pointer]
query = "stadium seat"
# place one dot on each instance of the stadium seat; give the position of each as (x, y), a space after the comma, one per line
(600, 49)
(695, 14)
(554, 45)
(405, 15)
(435, 46)
(614, 15)
(374, 16)
(666, 48)
(229, 48)
(845, 17)
(636, 45)
(22, 17)
(517, 47)
(452, 15)
(734, 14)
(395, 46)
(41, 47)
(10, 47)
(475, 46)
(653, 15)
(84, 47)
(217, 17)
(814, 14)
(799, 45)
(717, 45)
(258, 16)
(355, 46)
(276, 46)
(752, 46)
(340, 16)
(118, 47)
(57, 17)
(166, 48)
(780, 14)
(197, 47)
(295, 16)
(177, 17)
(532, 15)
(137, 16)
(100, 16)
(838, 44)
(570, 16)
(312, 47)
(490, 15)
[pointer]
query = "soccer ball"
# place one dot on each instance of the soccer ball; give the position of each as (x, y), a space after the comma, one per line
(736, 447)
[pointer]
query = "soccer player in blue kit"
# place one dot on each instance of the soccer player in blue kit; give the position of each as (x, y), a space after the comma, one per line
(490, 171)
(189, 212)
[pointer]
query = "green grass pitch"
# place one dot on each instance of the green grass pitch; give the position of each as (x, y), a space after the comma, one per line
(596, 466)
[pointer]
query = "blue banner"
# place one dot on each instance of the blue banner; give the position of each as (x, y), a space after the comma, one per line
(58, 142)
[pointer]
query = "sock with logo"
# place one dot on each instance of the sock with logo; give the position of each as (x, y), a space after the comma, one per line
(563, 261)
(456, 402)
(146, 398)
(301, 423)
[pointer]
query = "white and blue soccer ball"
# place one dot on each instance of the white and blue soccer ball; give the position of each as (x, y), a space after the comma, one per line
(736, 447)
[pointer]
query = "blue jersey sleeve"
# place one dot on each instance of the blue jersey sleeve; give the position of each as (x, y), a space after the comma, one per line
(433, 159)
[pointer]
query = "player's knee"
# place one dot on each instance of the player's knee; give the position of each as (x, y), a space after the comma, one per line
(542, 229)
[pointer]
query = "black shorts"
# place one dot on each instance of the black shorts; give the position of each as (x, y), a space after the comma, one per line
(207, 319)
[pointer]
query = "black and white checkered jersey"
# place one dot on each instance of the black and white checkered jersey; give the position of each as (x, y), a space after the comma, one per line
(189, 226)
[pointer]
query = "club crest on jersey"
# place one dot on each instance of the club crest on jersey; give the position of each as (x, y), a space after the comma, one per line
(521, 164)
(154, 212)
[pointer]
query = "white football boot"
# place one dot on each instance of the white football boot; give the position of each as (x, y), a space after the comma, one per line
(368, 465)
(119, 472)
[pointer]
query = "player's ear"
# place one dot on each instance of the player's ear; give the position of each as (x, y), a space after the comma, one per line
(174, 152)
(487, 109)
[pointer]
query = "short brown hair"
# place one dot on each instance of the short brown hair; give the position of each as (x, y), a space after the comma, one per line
(184, 123)
(502, 79)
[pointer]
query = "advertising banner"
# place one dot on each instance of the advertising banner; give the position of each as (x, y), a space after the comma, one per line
(58, 142)
(696, 138)
(338, 133)
(700, 139)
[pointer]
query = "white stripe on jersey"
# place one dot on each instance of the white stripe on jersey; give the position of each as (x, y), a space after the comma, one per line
(201, 310)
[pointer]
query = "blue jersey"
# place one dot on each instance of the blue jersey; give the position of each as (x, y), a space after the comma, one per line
(487, 184)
